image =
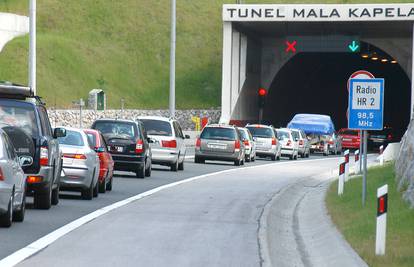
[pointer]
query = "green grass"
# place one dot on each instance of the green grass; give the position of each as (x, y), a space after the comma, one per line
(358, 223)
(123, 46)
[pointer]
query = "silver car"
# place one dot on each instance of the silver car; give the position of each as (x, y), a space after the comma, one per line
(168, 146)
(12, 182)
(80, 169)
(290, 147)
(267, 144)
(303, 142)
(220, 142)
(249, 144)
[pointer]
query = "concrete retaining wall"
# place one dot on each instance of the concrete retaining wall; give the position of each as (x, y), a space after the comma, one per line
(71, 117)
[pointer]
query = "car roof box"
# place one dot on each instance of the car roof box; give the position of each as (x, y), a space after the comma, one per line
(17, 91)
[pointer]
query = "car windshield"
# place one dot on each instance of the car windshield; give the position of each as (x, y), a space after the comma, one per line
(117, 128)
(261, 132)
(218, 133)
(21, 117)
(72, 138)
(244, 134)
(283, 135)
(349, 132)
(157, 127)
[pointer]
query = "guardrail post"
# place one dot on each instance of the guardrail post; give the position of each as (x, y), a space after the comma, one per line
(341, 179)
(381, 157)
(382, 206)
(346, 158)
(357, 160)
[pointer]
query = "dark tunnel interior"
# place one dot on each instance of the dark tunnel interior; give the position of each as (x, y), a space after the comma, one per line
(317, 83)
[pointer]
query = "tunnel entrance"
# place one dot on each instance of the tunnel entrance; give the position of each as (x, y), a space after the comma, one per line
(317, 83)
(304, 54)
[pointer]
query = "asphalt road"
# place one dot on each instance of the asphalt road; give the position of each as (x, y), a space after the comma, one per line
(41, 222)
(208, 222)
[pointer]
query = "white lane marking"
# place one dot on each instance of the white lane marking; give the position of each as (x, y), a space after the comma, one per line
(40, 244)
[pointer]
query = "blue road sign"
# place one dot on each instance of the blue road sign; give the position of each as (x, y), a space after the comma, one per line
(366, 104)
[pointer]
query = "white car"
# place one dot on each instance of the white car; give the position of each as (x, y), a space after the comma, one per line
(267, 144)
(12, 182)
(168, 146)
(290, 147)
(249, 144)
(303, 142)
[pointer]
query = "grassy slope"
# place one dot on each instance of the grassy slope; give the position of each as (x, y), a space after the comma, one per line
(358, 224)
(123, 45)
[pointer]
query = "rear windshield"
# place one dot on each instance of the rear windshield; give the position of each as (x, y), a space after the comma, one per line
(244, 134)
(91, 139)
(348, 132)
(117, 128)
(283, 135)
(218, 133)
(72, 138)
(21, 117)
(295, 134)
(261, 132)
(157, 127)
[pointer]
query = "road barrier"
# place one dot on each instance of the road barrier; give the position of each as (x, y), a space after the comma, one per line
(341, 179)
(346, 157)
(357, 165)
(382, 206)
(381, 157)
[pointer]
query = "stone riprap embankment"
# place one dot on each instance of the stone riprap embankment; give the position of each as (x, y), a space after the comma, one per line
(404, 165)
(70, 117)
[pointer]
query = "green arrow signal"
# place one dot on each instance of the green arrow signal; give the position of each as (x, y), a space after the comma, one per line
(354, 46)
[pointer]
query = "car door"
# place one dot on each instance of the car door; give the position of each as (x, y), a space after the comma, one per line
(13, 170)
(107, 156)
(144, 136)
(180, 138)
(53, 144)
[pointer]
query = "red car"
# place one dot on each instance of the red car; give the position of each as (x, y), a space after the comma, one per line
(350, 138)
(106, 171)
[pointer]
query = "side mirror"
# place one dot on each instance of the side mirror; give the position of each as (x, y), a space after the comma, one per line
(25, 161)
(187, 136)
(99, 149)
(150, 140)
(59, 132)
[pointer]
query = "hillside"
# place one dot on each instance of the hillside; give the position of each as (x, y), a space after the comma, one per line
(123, 47)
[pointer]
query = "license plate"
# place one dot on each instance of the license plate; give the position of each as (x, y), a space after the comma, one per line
(118, 149)
(217, 146)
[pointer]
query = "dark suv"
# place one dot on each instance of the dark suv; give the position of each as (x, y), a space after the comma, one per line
(128, 144)
(33, 136)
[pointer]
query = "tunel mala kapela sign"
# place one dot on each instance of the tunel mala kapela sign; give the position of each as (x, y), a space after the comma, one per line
(327, 12)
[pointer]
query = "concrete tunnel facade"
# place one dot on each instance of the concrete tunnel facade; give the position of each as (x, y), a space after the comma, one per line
(255, 56)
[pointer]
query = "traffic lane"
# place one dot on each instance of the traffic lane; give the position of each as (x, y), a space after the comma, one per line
(208, 222)
(39, 223)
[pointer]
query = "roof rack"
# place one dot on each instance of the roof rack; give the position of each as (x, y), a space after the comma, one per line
(17, 91)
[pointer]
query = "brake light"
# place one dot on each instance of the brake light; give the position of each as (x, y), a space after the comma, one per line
(139, 147)
(74, 156)
(44, 156)
(273, 141)
(236, 146)
(1, 175)
(169, 144)
(246, 142)
(198, 142)
(288, 143)
(389, 137)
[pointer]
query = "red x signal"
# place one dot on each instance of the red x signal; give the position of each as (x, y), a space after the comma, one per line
(290, 46)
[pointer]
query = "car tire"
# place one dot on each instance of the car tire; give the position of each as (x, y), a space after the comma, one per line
(237, 162)
(273, 157)
(109, 185)
(174, 166)
(181, 166)
(55, 196)
(248, 159)
(43, 201)
(7, 218)
(199, 160)
(141, 172)
(253, 159)
(87, 194)
(242, 162)
(96, 189)
(291, 157)
(102, 187)
(18, 216)
(148, 171)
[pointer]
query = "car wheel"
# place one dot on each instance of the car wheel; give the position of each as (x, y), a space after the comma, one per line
(291, 157)
(174, 166)
(181, 166)
(247, 159)
(109, 185)
(141, 172)
(18, 215)
(102, 187)
(148, 171)
(43, 201)
(253, 159)
(87, 194)
(199, 160)
(55, 196)
(96, 189)
(273, 157)
(242, 162)
(7, 218)
(237, 162)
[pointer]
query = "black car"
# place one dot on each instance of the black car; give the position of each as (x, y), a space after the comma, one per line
(128, 144)
(376, 139)
(33, 136)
